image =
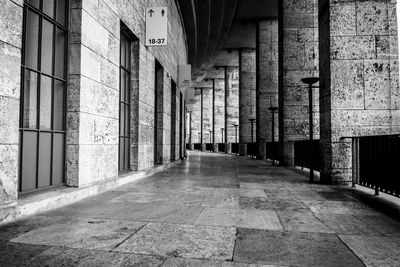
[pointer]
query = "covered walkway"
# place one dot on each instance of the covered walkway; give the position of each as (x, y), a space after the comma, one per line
(211, 210)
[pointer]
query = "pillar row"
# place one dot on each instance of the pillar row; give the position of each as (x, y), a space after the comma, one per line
(247, 97)
(219, 111)
(298, 58)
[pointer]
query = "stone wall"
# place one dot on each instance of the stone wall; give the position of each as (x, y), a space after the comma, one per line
(299, 52)
(231, 103)
(359, 77)
(268, 77)
(93, 89)
(10, 69)
(219, 110)
(247, 96)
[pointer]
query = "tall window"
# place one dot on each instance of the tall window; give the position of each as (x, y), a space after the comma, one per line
(125, 104)
(43, 94)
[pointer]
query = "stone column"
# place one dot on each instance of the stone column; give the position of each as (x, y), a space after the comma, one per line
(207, 107)
(196, 118)
(231, 105)
(247, 96)
(219, 111)
(10, 77)
(359, 79)
(267, 81)
(298, 58)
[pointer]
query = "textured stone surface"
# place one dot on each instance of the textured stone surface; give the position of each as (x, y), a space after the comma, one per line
(232, 103)
(267, 95)
(184, 241)
(247, 97)
(359, 79)
(292, 248)
(299, 54)
(219, 111)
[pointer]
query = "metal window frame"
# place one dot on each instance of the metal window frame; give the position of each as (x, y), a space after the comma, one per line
(127, 92)
(56, 25)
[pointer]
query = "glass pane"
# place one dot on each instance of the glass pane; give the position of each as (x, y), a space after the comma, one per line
(122, 85)
(61, 11)
(45, 102)
(28, 172)
(32, 40)
(121, 153)
(48, 7)
(126, 165)
(121, 119)
(58, 105)
(30, 100)
(47, 47)
(127, 54)
(123, 52)
(35, 3)
(60, 53)
(58, 159)
(127, 86)
(44, 171)
(127, 120)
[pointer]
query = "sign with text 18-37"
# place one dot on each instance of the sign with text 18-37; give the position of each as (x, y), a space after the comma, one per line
(156, 26)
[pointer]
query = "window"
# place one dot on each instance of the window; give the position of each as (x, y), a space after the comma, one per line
(43, 94)
(125, 104)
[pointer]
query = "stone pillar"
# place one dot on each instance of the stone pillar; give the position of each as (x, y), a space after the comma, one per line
(298, 58)
(219, 111)
(231, 105)
(10, 77)
(267, 81)
(196, 118)
(359, 79)
(247, 97)
(207, 107)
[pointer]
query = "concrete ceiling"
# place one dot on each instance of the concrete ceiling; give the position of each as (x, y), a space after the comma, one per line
(216, 28)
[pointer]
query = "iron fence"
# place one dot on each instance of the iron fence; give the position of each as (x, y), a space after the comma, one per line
(304, 153)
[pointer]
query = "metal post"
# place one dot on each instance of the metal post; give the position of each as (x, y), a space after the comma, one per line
(273, 110)
(252, 138)
(310, 81)
(222, 135)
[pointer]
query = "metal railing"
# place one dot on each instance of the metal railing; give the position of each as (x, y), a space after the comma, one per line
(221, 147)
(302, 156)
(235, 148)
(209, 147)
(252, 149)
(272, 150)
(197, 146)
(376, 163)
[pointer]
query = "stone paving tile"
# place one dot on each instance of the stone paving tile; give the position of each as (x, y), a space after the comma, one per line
(292, 249)
(258, 219)
(374, 250)
(302, 222)
(339, 207)
(181, 262)
(345, 224)
(146, 197)
(154, 212)
(252, 193)
(82, 233)
(381, 224)
(57, 256)
(15, 254)
(187, 241)
(13, 230)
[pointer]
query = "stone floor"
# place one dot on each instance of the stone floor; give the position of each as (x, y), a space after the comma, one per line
(211, 210)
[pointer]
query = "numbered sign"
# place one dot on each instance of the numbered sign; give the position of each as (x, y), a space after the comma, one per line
(156, 26)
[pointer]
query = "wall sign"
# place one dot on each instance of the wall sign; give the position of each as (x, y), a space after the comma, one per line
(156, 26)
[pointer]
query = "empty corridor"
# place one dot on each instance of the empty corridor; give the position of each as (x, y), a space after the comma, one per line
(210, 210)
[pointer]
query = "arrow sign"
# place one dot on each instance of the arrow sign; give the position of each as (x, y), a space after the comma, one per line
(156, 26)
